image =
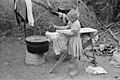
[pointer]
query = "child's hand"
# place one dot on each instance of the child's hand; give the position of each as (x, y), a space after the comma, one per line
(74, 31)
(52, 29)
(54, 26)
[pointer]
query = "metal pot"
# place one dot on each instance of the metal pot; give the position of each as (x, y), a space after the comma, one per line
(37, 44)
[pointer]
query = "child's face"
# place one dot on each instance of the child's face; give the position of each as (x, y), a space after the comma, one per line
(72, 18)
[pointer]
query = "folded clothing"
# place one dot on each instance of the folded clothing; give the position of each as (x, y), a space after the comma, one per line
(95, 70)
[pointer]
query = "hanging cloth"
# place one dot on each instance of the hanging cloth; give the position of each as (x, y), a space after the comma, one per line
(29, 12)
(23, 11)
(20, 10)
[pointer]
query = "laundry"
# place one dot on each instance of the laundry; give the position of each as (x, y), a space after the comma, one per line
(29, 12)
(52, 35)
(60, 42)
(63, 17)
(95, 70)
(20, 10)
(23, 11)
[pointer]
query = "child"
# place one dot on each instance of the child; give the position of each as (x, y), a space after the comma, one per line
(72, 33)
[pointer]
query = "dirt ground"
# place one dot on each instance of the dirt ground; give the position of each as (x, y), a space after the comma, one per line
(13, 67)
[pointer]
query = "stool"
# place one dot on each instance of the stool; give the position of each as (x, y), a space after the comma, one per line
(90, 32)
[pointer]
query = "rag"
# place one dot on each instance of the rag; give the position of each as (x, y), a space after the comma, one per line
(95, 70)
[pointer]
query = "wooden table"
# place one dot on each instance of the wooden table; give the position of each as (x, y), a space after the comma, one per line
(90, 32)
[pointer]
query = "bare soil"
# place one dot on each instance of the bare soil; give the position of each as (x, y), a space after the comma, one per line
(13, 67)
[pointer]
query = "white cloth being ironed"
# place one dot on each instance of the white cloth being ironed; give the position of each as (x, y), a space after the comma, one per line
(59, 41)
(52, 35)
(29, 12)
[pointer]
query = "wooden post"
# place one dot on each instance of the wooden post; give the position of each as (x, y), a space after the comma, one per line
(25, 35)
(94, 59)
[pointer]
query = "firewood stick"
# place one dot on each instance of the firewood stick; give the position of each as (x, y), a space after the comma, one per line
(58, 62)
(46, 7)
(114, 36)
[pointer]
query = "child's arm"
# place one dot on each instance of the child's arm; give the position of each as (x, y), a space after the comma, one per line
(67, 32)
(61, 27)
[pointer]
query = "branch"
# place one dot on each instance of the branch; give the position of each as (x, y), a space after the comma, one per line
(108, 29)
(6, 20)
(46, 7)
(114, 37)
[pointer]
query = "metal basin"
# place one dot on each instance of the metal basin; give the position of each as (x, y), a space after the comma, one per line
(37, 44)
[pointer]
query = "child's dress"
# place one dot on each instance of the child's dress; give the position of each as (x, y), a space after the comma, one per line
(72, 43)
(75, 43)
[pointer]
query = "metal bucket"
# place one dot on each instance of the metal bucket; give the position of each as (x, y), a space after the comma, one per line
(34, 59)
